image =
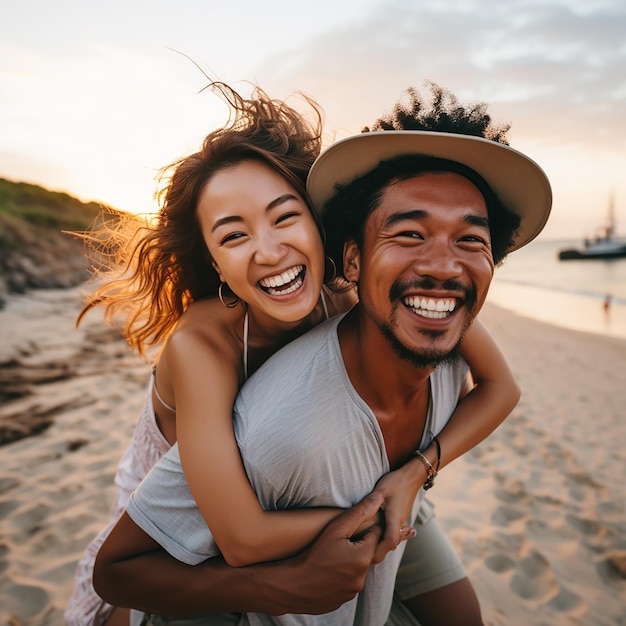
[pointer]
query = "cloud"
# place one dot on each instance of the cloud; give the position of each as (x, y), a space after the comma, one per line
(105, 101)
(555, 70)
(551, 67)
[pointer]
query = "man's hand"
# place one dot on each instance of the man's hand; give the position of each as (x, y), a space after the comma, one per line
(333, 570)
(318, 580)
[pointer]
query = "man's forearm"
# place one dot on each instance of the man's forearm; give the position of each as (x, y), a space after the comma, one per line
(158, 584)
(215, 587)
(318, 580)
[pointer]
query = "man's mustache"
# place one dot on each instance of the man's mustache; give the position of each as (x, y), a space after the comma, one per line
(400, 287)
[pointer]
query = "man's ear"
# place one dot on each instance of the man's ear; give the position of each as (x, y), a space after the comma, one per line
(351, 261)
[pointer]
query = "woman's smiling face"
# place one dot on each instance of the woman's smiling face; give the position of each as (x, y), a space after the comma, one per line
(263, 240)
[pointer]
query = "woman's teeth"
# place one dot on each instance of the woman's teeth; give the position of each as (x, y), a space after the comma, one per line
(285, 282)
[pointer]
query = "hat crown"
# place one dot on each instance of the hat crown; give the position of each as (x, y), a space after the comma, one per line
(520, 184)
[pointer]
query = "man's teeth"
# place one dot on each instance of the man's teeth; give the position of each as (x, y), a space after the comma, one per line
(273, 284)
(434, 308)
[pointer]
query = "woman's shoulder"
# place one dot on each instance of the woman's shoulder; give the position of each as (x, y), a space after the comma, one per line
(208, 323)
(208, 313)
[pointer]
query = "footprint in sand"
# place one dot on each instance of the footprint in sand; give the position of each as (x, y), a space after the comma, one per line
(25, 600)
(503, 515)
(534, 578)
(568, 602)
(499, 563)
(8, 506)
(29, 520)
(583, 487)
(4, 552)
(588, 527)
(510, 490)
(614, 562)
(7, 483)
(597, 535)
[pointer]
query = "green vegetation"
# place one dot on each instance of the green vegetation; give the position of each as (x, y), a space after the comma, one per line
(37, 247)
(29, 212)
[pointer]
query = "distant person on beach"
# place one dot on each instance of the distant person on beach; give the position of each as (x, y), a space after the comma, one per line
(606, 304)
(457, 242)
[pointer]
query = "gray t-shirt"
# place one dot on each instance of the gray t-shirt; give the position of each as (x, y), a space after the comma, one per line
(306, 439)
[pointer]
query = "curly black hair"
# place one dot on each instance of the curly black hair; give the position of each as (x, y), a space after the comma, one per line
(442, 113)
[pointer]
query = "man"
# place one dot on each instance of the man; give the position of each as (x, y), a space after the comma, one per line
(417, 220)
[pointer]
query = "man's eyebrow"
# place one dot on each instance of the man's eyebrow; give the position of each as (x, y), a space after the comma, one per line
(420, 214)
(229, 219)
(477, 220)
(415, 214)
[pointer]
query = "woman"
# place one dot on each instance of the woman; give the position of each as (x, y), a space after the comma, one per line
(235, 223)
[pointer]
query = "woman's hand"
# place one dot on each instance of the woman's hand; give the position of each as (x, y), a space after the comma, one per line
(399, 489)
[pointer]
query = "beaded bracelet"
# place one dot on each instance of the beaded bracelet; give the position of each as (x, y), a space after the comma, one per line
(432, 471)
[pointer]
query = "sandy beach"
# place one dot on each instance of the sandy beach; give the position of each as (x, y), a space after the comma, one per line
(537, 512)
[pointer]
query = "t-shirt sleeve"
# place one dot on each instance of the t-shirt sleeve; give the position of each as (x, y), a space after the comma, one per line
(447, 382)
(163, 507)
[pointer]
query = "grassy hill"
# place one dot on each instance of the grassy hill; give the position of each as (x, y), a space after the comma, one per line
(34, 250)
(30, 207)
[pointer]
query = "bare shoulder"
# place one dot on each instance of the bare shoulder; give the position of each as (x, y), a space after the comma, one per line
(209, 327)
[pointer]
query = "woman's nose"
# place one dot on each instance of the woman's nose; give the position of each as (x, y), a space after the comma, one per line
(270, 249)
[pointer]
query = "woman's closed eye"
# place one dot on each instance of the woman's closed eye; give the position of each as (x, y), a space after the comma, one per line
(285, 217)
(231, 237)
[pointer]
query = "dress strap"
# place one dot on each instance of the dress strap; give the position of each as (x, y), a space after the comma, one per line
(156, 392)
(245, 345)
(246, 325)
(324, 303)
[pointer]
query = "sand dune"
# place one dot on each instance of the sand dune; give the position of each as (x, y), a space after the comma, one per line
(537, 512)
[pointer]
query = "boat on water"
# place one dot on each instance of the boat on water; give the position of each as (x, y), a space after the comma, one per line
(606, 245)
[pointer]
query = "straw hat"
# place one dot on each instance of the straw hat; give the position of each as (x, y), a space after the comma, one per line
(520, 184)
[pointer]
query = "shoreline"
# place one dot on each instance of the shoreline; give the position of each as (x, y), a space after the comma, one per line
(560, 308)
(536, 512)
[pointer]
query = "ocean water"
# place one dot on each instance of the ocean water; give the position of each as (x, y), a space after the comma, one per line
(535, 283)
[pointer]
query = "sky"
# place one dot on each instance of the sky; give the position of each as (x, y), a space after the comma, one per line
(96, 97)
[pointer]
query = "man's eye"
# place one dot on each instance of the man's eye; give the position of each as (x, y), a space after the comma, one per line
(411, 234)
(474, 239)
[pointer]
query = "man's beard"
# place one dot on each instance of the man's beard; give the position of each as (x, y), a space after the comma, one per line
(428, 358)
(425, 358)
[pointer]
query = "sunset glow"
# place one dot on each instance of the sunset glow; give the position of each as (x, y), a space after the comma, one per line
(98, 104)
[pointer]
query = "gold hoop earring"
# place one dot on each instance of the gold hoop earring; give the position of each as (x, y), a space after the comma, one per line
(228, 305)
(328, 280)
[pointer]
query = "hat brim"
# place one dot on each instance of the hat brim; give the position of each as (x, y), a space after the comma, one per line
(520, 184)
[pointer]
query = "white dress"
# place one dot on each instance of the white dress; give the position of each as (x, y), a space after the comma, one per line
(85, 607)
